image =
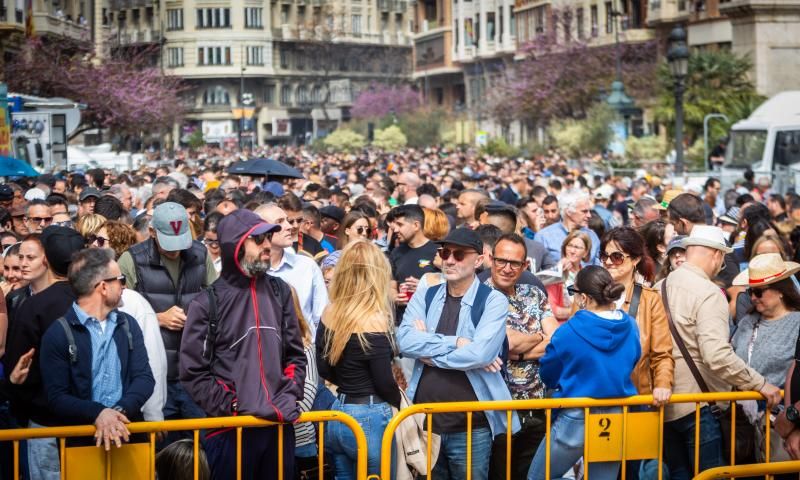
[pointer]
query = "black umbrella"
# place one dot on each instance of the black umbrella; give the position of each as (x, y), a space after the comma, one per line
(265, 167)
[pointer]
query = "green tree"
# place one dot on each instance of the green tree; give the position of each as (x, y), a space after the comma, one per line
(717, 82)
(583, 137)
(345, 140)
(196, 140)
(646, 148)
(390, 139)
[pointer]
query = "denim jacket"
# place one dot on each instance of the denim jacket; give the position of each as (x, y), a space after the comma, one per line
(486, 340)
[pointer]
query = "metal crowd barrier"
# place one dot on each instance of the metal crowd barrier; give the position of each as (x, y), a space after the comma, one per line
(138, 461)
(607, 436)
(754, 470)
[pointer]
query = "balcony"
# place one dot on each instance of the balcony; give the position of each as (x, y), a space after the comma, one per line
(139, 37)
(384, 5)
(45, 23)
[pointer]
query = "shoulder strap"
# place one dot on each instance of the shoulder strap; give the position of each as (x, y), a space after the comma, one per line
(126, 327)
(213, 318)
(682, 346)
(479, 304)
(73, 348)
(633, 309)
(429, 296)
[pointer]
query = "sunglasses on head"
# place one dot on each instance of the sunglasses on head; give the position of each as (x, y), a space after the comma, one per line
(756, 292)
(261, 238)
(459, 255)
(617, 258)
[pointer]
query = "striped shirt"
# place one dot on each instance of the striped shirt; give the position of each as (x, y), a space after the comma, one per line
(304, 433)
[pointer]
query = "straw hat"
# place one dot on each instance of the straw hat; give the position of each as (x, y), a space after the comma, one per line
(707, 236)
(766, 269)
(731, 217)
(669, 196)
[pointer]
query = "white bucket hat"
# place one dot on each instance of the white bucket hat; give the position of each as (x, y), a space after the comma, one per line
(707, 236)
(766, 269)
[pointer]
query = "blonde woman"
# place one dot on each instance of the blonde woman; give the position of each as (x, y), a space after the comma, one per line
(88, 225)
(355, 346)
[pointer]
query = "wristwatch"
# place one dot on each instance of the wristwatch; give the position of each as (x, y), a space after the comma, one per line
(521, 357)
(793, 415)
(119, 409)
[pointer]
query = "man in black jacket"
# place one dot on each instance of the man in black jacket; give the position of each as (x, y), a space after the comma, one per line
(243, 354)
(169, 270)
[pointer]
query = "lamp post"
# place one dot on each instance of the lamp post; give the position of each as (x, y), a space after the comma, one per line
(678, 59)
(241, 106)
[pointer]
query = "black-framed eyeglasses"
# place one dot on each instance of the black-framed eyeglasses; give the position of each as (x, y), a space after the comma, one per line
(504, 262)
(121, 279)
(617, 258)
(210, 242)
(39, 219)
(362, 230)
(97, 239)
(756, 292)
(573, 291)
(261, 238)
(458, 255)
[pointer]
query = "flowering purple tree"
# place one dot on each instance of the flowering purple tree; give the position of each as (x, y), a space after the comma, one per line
(380, 100)
(562, 78)
(123, 93)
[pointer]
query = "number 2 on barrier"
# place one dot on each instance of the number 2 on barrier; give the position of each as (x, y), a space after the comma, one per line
(605, 436)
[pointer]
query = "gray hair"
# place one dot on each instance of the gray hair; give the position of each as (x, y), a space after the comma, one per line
(118, 190)
(569, 203)
(88, 268)
(643, 205)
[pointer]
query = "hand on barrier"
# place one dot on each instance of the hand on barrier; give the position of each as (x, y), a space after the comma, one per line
(110, 427)
(772, 394)
(172, 319)
(22, 368)
(661, 396)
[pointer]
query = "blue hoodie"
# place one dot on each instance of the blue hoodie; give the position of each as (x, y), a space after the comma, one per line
(590, 356)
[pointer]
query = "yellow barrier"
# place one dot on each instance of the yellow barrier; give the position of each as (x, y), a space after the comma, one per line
(617, 440)
(758, 469)
(195, 425)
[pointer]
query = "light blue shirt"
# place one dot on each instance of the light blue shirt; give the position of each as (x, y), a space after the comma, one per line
(554, 235)
(106, 366)
(303, 274)
(486, 342)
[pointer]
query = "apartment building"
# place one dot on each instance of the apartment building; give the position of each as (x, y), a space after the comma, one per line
(436, 72)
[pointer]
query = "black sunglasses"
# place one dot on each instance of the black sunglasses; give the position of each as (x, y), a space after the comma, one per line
(756, 292)
(100, 241)
(40, 219)
(261, 238)
(459, 255)
(617, 258)
(121, 279)
(572, 290)
(362, 230)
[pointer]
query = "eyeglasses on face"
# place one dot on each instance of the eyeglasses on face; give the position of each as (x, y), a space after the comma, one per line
(756, 292)
(121, 279)
(97, 240)
(617, 258)
(458, 255)
(295, 221)
(211, 243)
(261, 238)
(362, 230)
(573, 291)
(504, 262)
(45, 220)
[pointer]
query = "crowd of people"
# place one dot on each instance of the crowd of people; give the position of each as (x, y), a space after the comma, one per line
(379, 280)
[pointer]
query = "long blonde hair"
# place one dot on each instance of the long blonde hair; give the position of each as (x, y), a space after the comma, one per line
(359, 291)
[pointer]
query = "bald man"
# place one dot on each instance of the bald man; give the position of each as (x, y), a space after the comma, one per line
(406, 188)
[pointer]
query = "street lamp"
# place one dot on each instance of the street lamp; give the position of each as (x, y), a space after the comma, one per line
(678, 59)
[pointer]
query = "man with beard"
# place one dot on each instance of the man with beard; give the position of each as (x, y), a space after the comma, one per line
(263, 375)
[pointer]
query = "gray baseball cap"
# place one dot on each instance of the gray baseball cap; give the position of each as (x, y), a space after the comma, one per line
(171, 223)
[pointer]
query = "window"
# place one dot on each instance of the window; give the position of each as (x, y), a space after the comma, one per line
(787, 147)
(316, 94)
(253, 17)
(216, 96)
(302, 95)
(284, 14)
(214, 55)
(175, 19)
(255, 55)
(286, 95)
(384, 21)
(213, 18)
(609, 18)
(284, 57)
(356, 24)
(595, 27)
(539, 19)
(269, 94)
(299, 60)
(175, 57)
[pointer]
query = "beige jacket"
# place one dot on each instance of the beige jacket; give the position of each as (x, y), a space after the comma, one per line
(411, 443)
(700, 312)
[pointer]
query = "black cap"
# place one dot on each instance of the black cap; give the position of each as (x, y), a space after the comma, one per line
(6, 193)
(332, 211)
(463, 237)
(89, 192)
(59, 244)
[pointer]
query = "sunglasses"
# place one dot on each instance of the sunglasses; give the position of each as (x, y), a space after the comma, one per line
(573, 291)
(121, 279)
(97, 239)
(756, 292)
(211, 243)
(40, 219)
(459, 255)
(261, 238)
(504, 262)
(617, 258)
(362, 230)
(295, 221)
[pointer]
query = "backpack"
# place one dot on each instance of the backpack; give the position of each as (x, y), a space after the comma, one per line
(478, 306)
(73, 347)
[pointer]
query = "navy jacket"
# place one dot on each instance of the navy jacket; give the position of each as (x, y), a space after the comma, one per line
(69, 386)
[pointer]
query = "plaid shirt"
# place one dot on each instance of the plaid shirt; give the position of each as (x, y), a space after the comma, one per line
(106, 366)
